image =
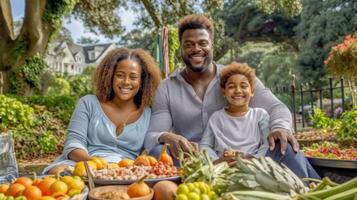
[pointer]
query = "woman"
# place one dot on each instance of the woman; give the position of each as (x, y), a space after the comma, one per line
(112, 124)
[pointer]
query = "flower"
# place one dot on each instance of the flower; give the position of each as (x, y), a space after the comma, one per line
(342, 59)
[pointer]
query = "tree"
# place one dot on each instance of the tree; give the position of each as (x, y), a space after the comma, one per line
(64, 35)
(322, 24)
(342, 61)
(289, 8)
(42, 20)
(87, 40)
(245, 22)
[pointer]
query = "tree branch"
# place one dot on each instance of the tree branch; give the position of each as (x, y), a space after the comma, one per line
(6, 21)
(34, 29)
(243, 19)
(151, 10)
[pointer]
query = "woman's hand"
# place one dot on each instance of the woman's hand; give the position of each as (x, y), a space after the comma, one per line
(79, 155)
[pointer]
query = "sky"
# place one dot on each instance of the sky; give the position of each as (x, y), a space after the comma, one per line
(76, 26)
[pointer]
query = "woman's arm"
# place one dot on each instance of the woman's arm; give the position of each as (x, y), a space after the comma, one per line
(76, 140)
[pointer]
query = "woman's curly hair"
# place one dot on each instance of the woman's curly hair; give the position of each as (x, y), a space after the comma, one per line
(195, 22)
(238, 68)
(150, 76)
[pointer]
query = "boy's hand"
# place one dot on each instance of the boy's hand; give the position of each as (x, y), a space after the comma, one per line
(231, 160)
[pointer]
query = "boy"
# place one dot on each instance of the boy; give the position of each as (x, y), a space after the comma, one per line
(237, 127)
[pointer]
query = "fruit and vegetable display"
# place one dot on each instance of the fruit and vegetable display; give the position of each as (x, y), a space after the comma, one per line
(253, 179)
(130, 170)
(47, 188)
(329, 150)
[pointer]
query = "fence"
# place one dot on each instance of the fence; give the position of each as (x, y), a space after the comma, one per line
(303, 99)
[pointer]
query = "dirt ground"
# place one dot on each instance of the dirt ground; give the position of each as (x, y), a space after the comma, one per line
(41, 160)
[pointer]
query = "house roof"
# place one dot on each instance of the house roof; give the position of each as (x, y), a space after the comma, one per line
(93, 47)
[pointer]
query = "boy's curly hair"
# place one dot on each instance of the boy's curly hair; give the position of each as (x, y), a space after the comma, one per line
(195, 22)
(238, 68)
(150, 77)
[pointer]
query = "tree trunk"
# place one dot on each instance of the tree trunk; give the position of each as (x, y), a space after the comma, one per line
(32, 39)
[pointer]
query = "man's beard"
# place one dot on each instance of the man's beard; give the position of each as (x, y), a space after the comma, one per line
(198, 69)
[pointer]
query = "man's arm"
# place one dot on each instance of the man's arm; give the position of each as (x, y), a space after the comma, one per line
(161, 121)
(280, 117)
(161, 124)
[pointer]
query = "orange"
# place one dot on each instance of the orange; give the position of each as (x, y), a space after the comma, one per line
(92, 164)
(104, 162)
(25, 181)
(80, 170)
(73, 192)
(142, 160)
(36, 182)
(73, 183)
(152, 160)
(46, 198)
(32, 193)
(60, 196)
(58, 187)
(15, 190)
(4, 187)
(126, 163)
(46, 184)
(98, 162)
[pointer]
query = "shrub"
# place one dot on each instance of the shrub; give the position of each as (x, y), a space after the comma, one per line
(348, 130)
(80, 85)
(321, 121)
(59, 87)
(15, 113)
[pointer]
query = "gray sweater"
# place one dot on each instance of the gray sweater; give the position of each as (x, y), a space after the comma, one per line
(246, 134)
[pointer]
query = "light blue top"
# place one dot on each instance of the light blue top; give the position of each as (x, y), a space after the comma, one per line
(91, 130)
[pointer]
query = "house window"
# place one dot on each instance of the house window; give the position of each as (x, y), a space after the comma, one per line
(92, 55)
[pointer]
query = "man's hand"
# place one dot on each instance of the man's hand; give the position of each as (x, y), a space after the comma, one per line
(284, 137)
(177, 143)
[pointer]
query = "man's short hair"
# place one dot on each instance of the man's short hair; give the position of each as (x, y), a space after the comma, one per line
(195, 22)
(238, 68)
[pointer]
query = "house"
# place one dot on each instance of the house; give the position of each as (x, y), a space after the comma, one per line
(71, 59)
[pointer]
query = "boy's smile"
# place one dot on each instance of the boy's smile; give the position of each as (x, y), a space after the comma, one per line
(238, 92)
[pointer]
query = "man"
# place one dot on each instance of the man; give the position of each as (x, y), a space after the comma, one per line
(185, 101)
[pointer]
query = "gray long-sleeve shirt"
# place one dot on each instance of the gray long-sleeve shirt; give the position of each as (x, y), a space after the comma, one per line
(177, 108)
(246, 134)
